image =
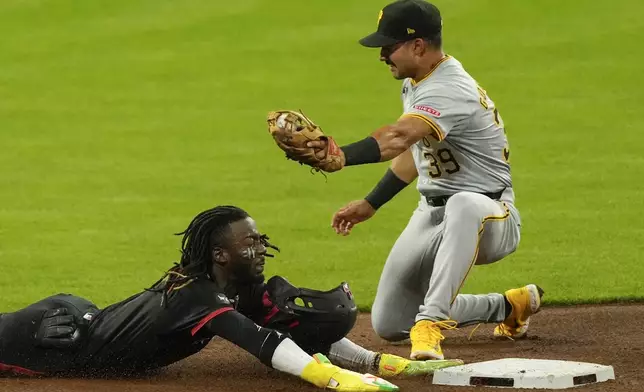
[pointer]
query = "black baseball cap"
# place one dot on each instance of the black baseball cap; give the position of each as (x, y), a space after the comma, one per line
(404, 20)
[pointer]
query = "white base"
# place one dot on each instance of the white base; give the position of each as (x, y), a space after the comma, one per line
(525, 373)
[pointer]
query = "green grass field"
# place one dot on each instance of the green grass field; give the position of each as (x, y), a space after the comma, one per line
(121, 119)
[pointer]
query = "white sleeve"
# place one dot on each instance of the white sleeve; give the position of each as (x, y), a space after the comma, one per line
(290, 358)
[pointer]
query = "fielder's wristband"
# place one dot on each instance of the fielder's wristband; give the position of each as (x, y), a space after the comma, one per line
(388, 187)
(366, 150)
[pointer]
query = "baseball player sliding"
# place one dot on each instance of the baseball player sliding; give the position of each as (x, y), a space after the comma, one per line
(451, 138)
(217, 289)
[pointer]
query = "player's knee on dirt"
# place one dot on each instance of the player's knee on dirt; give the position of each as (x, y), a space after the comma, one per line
(242, 331)
(314, 319)
(385, 327)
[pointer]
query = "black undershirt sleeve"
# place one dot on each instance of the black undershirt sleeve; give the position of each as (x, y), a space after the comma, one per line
(388, 187)
(243, 332)
(362, 152)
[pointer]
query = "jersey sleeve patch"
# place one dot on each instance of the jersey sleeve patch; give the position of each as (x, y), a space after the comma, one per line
(428, 109)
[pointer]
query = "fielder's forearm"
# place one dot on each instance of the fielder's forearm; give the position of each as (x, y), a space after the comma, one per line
(404, 167)
(401, 173)
(392, 140)
(388, 187)
(397, 138)
(386, 143)
(383, 145)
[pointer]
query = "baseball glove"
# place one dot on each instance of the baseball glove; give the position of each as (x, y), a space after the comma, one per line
(292, 130)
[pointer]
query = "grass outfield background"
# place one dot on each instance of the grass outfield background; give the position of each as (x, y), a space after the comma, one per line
(122, 119)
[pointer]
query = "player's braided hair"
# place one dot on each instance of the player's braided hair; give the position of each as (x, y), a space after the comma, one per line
(206, 231)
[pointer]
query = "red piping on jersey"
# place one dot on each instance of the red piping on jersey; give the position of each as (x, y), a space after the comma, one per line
(208, 318)
(266, 301)
(18, 370)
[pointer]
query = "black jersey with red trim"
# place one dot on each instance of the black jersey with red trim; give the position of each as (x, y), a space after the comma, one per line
(141, 333)
(134, 335)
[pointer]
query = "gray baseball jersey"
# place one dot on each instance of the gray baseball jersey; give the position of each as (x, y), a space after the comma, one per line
(468, 150)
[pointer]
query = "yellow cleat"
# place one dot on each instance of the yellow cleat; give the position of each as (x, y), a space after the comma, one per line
(525, 302)
(320, 372)
(426, 339)
(393, 365)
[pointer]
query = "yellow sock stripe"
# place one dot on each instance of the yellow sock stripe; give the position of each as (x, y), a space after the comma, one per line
(437, 130)
(478, 240)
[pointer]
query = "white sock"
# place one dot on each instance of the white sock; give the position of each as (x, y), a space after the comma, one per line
(290, 358)
(345, 353)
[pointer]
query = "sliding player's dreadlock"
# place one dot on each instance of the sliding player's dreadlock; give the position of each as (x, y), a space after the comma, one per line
(206, 231)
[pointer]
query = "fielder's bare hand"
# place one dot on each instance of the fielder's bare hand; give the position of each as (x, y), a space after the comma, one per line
(353, 213)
